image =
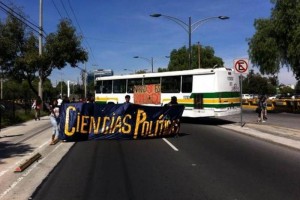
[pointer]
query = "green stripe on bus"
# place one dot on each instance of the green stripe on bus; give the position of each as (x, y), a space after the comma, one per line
(213, 105)
(218, 95)
(100, 102)
(220, 105)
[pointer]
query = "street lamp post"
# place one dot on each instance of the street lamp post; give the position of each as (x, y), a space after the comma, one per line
(129, 70)
(147, 59)
(84, 72)
(189, 28)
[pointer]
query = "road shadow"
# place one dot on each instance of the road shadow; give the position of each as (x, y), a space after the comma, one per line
(5, 136)
(8, 150)
(206, 121)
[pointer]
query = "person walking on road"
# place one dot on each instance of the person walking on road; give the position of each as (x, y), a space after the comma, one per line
(262, 109)
(54, 119)
(37, 105)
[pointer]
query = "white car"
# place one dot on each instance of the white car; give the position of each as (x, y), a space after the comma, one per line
(246, 96)
(273, 97)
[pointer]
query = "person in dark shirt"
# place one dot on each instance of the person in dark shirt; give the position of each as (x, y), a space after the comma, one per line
(173, 101)
(127, 98)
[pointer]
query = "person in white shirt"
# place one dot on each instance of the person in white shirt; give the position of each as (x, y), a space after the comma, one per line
(59, 101)
(54, 119)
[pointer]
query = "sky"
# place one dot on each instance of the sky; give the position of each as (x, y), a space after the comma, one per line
(115, 31)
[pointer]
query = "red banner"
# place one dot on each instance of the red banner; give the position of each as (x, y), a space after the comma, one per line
(147, 94)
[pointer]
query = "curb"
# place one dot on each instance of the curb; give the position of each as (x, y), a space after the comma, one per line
(28, 162)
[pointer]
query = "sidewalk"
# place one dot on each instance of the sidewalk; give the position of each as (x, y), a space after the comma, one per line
(270, 131)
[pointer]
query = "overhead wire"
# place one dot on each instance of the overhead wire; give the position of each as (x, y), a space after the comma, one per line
(36, 28)
(56, 9)
(21, 18)
(65, 9)
(81, 32)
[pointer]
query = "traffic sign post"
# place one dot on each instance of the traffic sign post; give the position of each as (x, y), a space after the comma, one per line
(241, 66)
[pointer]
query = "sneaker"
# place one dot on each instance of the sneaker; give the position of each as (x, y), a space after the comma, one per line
(263, 121)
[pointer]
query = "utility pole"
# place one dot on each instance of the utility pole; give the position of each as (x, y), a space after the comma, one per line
(84, 76)
(61, 94)
(199, 49)
(85, 80)
(1, 83)
(40, 91)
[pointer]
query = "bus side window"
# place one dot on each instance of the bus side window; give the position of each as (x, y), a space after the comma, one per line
(98, 87)
(130, 90)
(170, 84)
(119, 86)
(132, 82)
(187, 84)
(107, 86)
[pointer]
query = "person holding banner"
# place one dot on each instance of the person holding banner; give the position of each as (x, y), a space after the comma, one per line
(173, 101)
(175, 126)
(127, 98)
(54, 119)
(127, 102)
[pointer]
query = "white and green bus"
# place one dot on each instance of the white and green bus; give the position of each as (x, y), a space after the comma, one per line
(203, 92)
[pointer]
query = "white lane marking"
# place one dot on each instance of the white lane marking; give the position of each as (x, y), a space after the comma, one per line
(170, 144)
(27, 172)
(20, 161)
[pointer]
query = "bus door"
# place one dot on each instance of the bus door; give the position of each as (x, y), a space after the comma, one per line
(198, 101)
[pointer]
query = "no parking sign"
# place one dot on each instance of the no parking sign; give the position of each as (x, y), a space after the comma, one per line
(241, 66)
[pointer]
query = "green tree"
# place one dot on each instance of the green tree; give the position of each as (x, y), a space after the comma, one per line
(207, 58)
(286, 90)
(142, 71)
(21, 60)
(61, 48)
(162, 69)
(15, 89)
(297, 88)
(61, 89)
(276, 42)
(256, 84)
(179, 58)
(18, 58)
(48, 91)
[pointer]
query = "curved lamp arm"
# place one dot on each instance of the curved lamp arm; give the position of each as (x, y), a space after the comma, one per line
(185, 26)
(181, 23)
(195, 25)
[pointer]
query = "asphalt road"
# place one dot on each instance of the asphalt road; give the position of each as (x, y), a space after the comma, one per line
(205, 162)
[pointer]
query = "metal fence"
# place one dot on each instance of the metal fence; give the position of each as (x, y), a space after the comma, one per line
(280, 105)
(12, 111)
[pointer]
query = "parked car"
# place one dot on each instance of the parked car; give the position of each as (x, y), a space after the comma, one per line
(246, 96)
(273, 97)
